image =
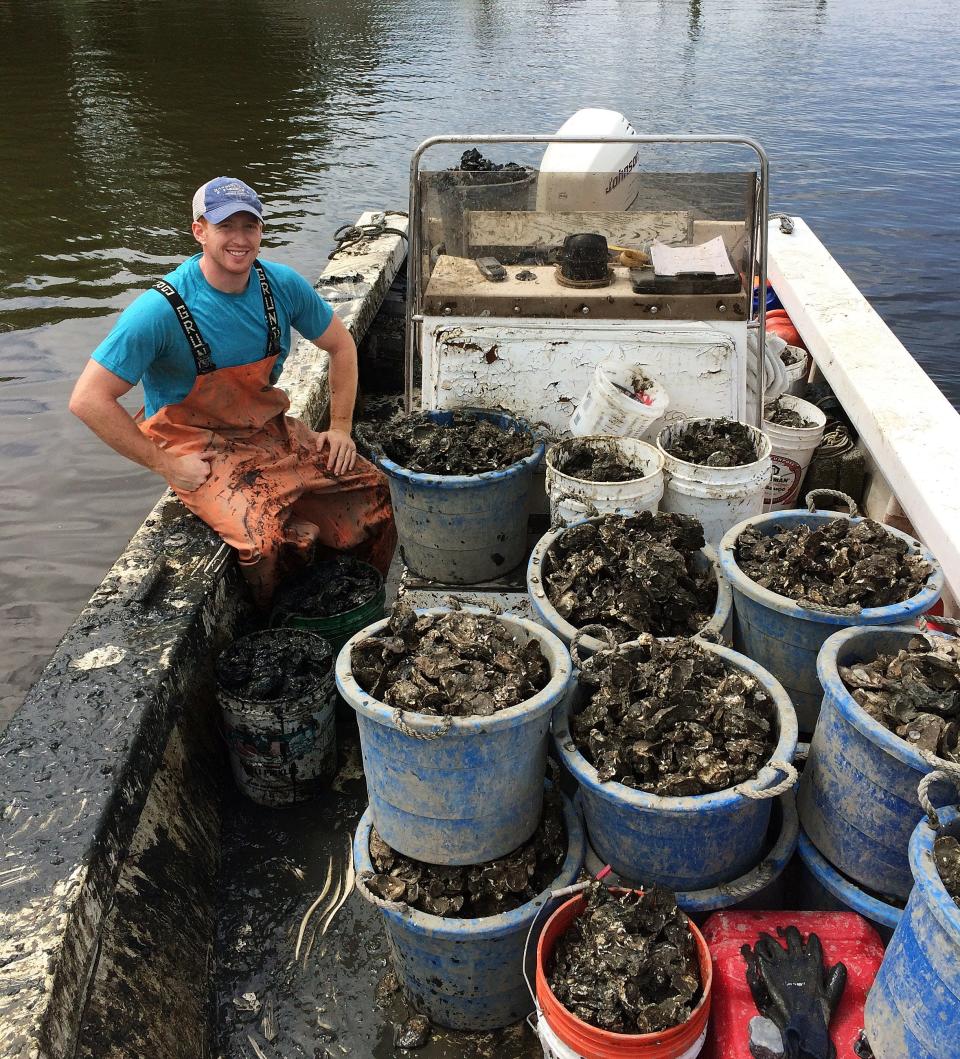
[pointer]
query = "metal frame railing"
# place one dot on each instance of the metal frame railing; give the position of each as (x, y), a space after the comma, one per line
(758, 237)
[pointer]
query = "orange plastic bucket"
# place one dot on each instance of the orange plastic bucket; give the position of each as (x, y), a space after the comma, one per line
(594, 1043)
(779, 323)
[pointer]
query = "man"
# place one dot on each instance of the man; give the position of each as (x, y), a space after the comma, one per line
(208, 342)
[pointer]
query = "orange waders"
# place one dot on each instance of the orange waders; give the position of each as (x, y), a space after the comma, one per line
(268, 489)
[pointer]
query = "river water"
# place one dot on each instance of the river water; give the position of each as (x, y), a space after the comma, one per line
(114, 111)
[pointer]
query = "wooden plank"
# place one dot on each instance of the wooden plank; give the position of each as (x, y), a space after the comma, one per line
(907, 425)
(542, 230)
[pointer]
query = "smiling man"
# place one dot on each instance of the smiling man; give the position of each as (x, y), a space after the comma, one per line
(208, 342)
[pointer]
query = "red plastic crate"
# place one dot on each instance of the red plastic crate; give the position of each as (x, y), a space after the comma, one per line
(846, 937)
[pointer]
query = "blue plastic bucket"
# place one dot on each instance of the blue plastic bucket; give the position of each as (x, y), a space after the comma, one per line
(463, 529)
(913, 1007)
(858, 795)
(720, 624)
(784, 637)
(763, 886)
(468, 795)
(688, 843)
(466, 974)
(824, 889)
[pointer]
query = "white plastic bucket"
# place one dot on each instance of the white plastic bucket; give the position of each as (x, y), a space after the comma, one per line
(572, 499)
(792, 448)
(719, 497)
(796, 371)
(606, 409)
(554, 1048)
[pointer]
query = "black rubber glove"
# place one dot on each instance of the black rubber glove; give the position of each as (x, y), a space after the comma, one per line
(793, 989)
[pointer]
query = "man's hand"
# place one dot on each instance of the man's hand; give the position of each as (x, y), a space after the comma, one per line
(340, 448)
(186, 473)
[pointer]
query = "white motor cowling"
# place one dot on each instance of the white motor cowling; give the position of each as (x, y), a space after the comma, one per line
(589, 176)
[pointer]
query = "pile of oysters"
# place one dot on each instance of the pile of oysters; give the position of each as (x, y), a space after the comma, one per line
(628, 963)
(672, 719)
(632, 574)
(915, 693)
(841, 563)
(457, 664)
(470, 444)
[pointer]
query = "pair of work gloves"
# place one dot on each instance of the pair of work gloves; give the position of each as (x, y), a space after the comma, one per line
(795, 994)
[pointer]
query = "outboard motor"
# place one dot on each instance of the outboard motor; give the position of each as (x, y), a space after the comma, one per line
(590, 176)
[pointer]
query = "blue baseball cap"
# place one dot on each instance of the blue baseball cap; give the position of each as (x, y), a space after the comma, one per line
(224, 196)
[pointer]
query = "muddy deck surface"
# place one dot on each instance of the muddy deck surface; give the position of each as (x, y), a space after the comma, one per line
(274, 865)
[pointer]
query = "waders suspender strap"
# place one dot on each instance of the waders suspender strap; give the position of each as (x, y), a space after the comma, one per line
(270, 311)
(198, 347)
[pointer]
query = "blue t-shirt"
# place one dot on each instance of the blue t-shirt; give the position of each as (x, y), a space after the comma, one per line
(147, 343)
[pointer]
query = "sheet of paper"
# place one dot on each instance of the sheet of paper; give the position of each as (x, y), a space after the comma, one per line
(710, 257)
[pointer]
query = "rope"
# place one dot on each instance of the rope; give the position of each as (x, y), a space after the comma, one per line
(771, 769)
(837, 495)
(360, 882)
(600, 631)
(352, 234)
(414, 733)
(943, 771)
(845, 611)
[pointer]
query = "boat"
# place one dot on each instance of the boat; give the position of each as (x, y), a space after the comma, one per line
(118, 814)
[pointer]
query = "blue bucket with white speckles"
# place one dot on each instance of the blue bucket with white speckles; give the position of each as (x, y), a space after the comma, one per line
(462, 529)
(858, 796)
(466, 974)
(468, 795)
(683, 843)
(913, 1007)
(784, 637)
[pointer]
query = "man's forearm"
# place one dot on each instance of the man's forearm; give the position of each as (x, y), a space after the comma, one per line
(343, 389)
(112, 423)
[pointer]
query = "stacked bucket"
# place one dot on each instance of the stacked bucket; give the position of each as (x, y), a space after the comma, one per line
(460, 791)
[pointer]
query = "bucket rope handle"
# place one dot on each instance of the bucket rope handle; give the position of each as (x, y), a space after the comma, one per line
(765, 775)
(414, 733)
(942, 771)
(381, 902)
(837, 495)
(595, 629)
(937, 619)
(589, 506)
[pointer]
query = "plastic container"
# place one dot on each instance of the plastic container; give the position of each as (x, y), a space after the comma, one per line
(463, 529)
(720, 624)
(590, 1042)
(461, 191)
(791, 450)
(779, 322)
(466, 974)
(282, 751)
(336, 629)
(797, 370)
(607, 409)
(786, 638)
(572, 499)
(858, 795)
(913, 1008)
(761, 887)
(719, 497)
(684, 843)
(822, 887)
(457, 790)
(845, 937)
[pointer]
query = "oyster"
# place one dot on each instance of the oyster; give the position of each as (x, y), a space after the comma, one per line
(468, 445)
(716, 443)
